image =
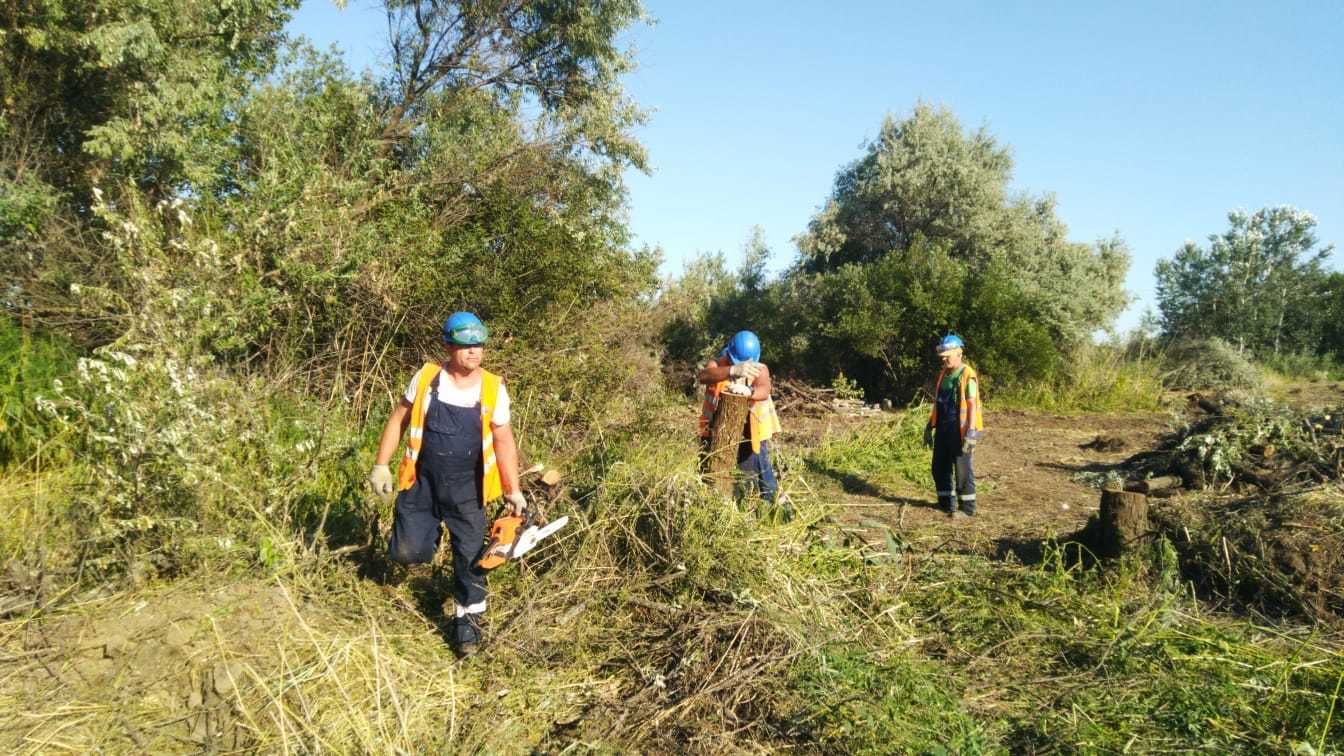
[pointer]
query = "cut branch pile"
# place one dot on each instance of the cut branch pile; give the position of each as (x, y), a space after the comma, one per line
(799, 398)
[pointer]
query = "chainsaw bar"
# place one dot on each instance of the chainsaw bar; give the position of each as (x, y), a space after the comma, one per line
(531, 535)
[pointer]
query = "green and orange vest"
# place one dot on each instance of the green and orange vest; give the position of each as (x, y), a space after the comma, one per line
(976, 420)
(492, 487)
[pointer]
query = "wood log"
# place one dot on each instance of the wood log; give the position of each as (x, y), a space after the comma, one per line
(725, 433)
(1151, 485)
(1123, 522)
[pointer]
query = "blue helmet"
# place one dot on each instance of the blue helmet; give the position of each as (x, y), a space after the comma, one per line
(465, 329)
(743, 347)
(950, 342)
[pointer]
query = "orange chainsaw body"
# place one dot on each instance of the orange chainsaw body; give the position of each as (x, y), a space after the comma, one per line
(503, 534)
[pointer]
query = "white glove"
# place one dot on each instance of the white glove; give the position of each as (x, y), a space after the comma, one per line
(748, 370)
(517, 503)
(380, 480)
(738, 389)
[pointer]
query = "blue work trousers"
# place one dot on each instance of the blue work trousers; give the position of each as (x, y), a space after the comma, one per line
(950, 463)
(755, 467)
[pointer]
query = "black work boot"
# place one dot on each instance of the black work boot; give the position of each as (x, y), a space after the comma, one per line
(467, 635)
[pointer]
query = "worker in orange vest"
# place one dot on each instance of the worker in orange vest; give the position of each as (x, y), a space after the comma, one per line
(954, 428)
(460, 455)
(738, 369)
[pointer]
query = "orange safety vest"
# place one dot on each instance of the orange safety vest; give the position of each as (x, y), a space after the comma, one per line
(763, 420)
(492, 487)
(967, 423)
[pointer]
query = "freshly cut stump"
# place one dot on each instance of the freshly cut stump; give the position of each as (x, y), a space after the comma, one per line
(1123, 522)
(725, 433)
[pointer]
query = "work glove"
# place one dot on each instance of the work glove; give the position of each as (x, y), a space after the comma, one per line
(739, 389)
(517, 503)
(748, 370)
(380, 480)
(967, 445)
(928, 436)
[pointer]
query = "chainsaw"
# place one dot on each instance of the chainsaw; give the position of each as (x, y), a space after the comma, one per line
(513, 536)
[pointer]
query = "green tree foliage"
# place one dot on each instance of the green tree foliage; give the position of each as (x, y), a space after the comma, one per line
(482, 171)
(106, 91)
(1259, 285)
(1332, 314)
(921, 236)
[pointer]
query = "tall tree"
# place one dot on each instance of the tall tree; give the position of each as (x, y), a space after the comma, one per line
(922, 234)
(1254, 285)
(925, 178)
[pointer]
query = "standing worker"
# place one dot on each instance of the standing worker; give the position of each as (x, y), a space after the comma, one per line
(954, 427)
(460, 455)
(738, 369)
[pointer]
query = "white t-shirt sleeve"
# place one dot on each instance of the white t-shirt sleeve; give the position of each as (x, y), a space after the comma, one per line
(409, 396)
(502, 403)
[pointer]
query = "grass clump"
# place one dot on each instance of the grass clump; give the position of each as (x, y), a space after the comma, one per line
(879, 457)
(1070, 659)
(1095, 378)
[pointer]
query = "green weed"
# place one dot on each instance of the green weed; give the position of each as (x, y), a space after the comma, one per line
(1094, 379)
(32, 366)
(882, 456)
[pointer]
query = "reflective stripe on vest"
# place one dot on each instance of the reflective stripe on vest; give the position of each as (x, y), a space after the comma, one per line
(762, 418)
(492, 487)
(967, 423)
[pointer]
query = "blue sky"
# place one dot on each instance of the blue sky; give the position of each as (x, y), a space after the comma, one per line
(1150, 120)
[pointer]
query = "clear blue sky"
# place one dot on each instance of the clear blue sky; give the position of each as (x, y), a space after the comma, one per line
(1147, 119)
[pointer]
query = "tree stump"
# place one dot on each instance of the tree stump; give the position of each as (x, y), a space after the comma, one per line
(1123, 522)
(725, 433)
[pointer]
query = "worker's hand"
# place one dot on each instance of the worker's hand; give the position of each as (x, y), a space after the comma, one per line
(517, 503)
(967, 445)
(928, 436)
(748, 370)
(380, 480)
(738, 389)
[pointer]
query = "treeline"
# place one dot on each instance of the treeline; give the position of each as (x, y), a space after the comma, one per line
(190, 163)
(922, 235)
(1261, 285)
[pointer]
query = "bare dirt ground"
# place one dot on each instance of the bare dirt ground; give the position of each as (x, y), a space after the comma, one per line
(1025, 469)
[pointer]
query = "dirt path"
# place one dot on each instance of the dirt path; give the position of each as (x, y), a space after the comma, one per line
(1025, 470)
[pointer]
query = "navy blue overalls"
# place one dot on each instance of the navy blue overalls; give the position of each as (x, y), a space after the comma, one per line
(447, 490)
(947, 456)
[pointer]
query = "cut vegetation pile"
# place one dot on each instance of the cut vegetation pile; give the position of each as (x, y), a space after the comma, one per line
(1268, 530)
(1201, 364)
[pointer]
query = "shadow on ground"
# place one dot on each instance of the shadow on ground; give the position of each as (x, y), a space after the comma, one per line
(858, 486)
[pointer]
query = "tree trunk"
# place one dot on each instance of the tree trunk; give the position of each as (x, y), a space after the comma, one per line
(1123, 522)
(725, 433)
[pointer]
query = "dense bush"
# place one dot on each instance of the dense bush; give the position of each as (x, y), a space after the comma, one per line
(1208, 364)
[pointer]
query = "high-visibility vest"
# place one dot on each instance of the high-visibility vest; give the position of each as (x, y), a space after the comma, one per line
(763, 420)
(492, 487)
(966, 423)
